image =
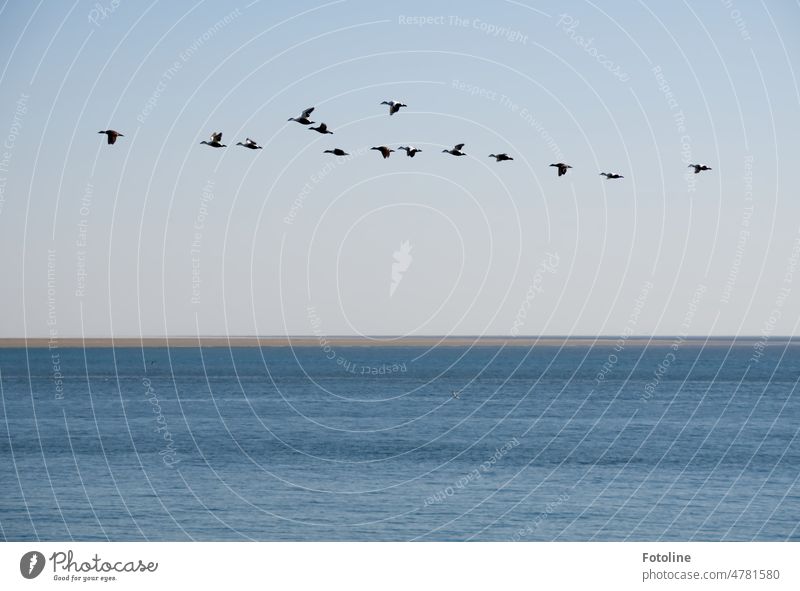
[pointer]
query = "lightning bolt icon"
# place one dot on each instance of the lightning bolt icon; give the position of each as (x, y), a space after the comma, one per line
(34, 560)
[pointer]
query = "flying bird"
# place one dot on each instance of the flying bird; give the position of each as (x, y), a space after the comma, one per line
(697, 167)
(216, 140)
(111, 135)
(562, 168)
(303, 118)
(336, 152)
(385, 152)
(248, 143)
(456, 151)
(394, 106)
(500, 157)
(322, 128)
(610, 175)
(455, 394)
(410, 150)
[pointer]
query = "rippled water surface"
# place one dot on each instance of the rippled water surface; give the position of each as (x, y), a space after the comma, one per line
(550, 443)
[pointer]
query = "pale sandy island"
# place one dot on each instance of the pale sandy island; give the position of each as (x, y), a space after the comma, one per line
(382, 341)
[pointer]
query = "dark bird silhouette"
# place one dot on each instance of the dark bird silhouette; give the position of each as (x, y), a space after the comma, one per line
(216, 141)
(303, 119)
(394, 106)
(385, 152)
(248, 143)
(610, 175)
(456, 151)
(410, 150)
(500, 157)
(322, 128)
(562, 168)
(336, 152)
(111, 135)
(697, 167)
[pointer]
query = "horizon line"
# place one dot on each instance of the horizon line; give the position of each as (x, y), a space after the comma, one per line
(54, 342)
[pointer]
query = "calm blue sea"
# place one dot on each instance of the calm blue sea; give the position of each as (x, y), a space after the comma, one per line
(359, 443)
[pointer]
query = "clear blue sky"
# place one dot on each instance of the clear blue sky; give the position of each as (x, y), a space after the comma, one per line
(160, 235)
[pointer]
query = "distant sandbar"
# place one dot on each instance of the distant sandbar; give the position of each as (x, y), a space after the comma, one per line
(382, 341)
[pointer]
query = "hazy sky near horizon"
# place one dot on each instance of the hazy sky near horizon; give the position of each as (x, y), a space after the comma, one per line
(160, 235)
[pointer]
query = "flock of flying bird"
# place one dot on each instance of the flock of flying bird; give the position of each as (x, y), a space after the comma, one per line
(411, 151)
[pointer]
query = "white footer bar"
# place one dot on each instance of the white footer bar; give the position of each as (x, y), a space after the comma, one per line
(229, 566)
